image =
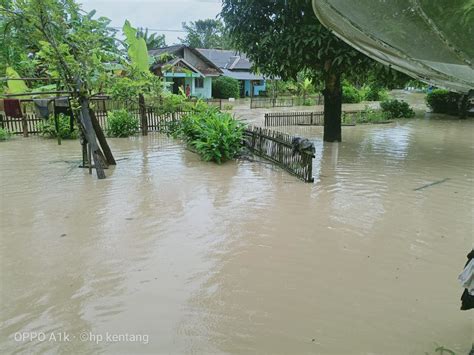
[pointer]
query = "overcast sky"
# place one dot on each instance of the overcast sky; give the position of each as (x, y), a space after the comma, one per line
(156, 14)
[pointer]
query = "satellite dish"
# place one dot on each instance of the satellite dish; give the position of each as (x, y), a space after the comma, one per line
(430, 40)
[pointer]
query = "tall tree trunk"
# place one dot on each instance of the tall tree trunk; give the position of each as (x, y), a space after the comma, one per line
(109, 157)
(89, 132)
(332, 108)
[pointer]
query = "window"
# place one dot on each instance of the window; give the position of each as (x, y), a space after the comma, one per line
(199, 83)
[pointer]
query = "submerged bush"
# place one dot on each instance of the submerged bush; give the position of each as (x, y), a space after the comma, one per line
(4, 134)
(443, 101)
(224, 87)
(397, 109)
(368, 116)
(216, 136)
(48, 128)
(122, 123)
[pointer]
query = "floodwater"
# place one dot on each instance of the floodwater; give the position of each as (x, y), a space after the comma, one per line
(190, 257)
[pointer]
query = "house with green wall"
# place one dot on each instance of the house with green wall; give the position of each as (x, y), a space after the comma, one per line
(182, 67)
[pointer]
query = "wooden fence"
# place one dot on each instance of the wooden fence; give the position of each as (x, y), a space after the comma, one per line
(274, 119)
(278, 148)
(285, 101)
(265, 102)
(157, 120)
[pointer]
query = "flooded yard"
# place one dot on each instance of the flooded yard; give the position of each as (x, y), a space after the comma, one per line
(241, 258)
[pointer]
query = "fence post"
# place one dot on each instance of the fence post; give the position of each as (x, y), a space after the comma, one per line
(24, 123)
(143, 117)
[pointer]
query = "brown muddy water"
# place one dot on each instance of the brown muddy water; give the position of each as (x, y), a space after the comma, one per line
(189, 257)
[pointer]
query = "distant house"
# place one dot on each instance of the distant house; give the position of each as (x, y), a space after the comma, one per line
(238, 66)
(183, 66)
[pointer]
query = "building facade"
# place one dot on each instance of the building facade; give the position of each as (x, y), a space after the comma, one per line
(186, 68)
(237, 66)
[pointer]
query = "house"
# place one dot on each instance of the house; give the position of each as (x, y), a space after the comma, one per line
(182, 66)
(236, 65)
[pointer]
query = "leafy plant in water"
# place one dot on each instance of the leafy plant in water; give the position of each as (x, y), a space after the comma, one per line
(397, 109)
(4, 134)
(368, 116)
(48, 128)
(216, 136)
(443, 101)
(121, 123)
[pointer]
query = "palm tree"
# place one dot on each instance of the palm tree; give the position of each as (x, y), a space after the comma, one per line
(153, 41)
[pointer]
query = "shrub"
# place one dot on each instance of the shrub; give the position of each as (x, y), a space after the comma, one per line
(350, 94)
(216, 136)
(397, 109)
(370, 116)
(443, 101)
(374, 93)
(224, 87)
(122, 123)
(4, 134)
(228, 107)
(48, 129)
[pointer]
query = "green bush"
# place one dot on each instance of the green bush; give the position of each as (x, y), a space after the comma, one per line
(224, 87)
(350, 94)
(216, 136)
(368, 116)
(374, 93)
(397, 109)
(121, 123)
(443, 101)
(4, 134)
(48, 129)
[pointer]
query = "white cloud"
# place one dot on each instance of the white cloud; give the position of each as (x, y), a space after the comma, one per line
(159, 14)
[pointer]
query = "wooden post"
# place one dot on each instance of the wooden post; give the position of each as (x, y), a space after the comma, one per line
(143, 118)
(91, 137)
(24, 123)
(102, 140)
(89, 158)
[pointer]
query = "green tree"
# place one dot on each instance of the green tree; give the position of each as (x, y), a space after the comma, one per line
(205, 34)
(224, 87)
(285, 37)
(73, 46)
(153, 41)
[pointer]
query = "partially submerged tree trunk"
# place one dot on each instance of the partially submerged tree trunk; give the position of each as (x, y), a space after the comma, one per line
(109, 157)
(332, 108)
(90, 135)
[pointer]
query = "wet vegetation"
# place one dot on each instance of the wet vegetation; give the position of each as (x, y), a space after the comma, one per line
(214, 135)
(122, 123)
(4, 134)
(443, 101)
(397, 109)
(60, 127)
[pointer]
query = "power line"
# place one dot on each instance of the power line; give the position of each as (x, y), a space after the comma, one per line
(151, 29)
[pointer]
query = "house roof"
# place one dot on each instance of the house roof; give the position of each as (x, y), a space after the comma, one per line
(212, 70)
(227, 59)
(242, 75)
